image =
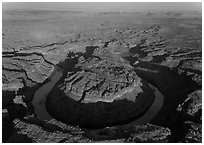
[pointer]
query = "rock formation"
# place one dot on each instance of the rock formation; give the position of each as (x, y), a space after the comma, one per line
(107, 59)
(99, 92)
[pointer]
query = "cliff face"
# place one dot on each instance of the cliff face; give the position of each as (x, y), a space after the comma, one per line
(98, 91)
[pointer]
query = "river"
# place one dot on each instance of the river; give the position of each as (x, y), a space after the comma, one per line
(39, 99)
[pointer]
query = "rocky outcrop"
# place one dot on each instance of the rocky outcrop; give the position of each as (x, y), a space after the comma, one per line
(192, 106)
(191, 112)
(30, 129)
(30, 67)
(149, 133)
(97, 92)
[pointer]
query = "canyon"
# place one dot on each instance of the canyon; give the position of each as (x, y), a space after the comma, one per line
(101, 77)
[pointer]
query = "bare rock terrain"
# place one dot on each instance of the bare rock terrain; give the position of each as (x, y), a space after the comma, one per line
(107, 61)
(97, 92)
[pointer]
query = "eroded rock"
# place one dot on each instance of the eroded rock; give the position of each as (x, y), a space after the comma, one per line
(32, 130)
(149, 133)
(98, 91)
(192, 105)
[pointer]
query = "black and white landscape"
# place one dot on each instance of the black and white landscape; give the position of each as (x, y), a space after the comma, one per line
(114, 76)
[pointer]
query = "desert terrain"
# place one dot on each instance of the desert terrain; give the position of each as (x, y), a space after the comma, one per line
(74, 76)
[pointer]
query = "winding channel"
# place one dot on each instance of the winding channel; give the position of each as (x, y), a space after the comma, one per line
(40, 99)
(40, 95)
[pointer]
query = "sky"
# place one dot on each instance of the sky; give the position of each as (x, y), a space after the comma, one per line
(106, 6)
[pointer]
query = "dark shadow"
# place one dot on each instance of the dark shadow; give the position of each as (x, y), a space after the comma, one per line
(94, 115)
